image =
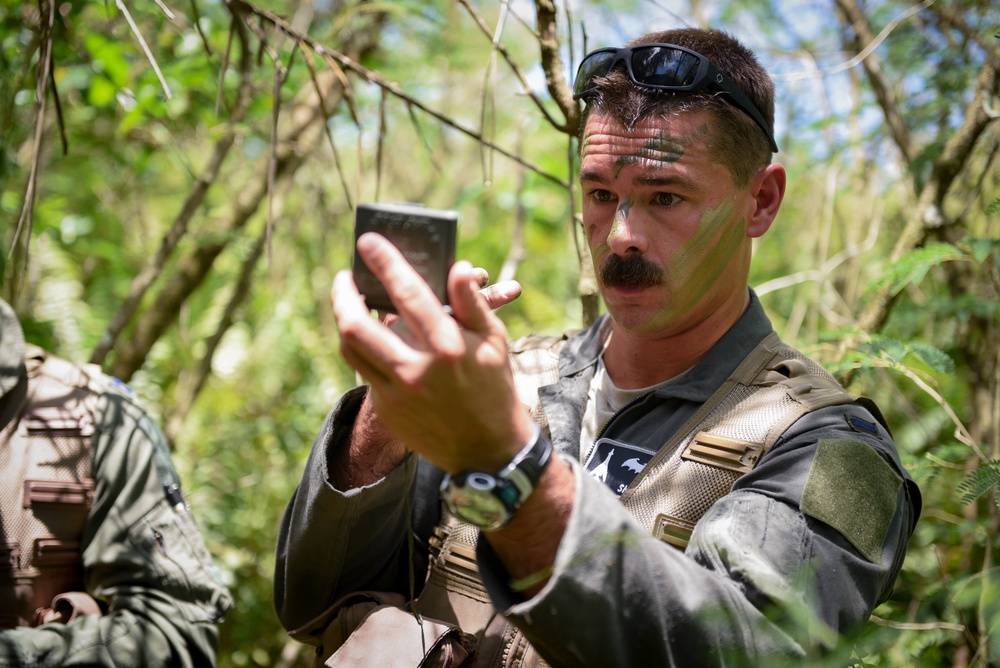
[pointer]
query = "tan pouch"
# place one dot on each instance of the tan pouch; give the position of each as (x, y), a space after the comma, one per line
(392, 637)
(370, 628)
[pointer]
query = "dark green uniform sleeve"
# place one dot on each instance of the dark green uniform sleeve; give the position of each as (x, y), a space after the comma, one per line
(144, 560)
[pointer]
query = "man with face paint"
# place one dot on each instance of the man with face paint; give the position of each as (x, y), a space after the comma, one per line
(673, 486)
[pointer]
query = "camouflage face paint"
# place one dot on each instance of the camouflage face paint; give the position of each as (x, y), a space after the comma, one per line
(662, 148)
(696, 265)
(621, 215)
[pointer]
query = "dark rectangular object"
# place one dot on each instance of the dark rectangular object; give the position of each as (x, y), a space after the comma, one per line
(425, 237)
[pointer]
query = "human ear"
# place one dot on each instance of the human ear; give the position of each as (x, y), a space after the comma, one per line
(767, 190)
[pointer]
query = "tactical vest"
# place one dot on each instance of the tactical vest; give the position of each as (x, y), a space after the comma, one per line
(46, 484)
(728, 435)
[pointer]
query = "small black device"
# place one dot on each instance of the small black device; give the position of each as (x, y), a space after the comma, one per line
(425, 237)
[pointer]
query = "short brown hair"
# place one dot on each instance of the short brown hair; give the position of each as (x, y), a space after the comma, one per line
(739, 144)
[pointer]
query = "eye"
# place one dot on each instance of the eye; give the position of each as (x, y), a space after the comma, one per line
(667, 199)
(601, 196)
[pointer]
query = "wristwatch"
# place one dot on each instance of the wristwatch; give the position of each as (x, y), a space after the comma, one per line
(489, 500)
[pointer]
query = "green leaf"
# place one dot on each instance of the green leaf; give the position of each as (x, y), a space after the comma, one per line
(979, 481)
(101, 93)
(936, 358)
(981, 248)
(912, 267)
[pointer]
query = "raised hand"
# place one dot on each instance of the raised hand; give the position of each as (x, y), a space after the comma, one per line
(441, 383)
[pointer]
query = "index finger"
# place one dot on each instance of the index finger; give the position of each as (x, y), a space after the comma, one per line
(415, 302)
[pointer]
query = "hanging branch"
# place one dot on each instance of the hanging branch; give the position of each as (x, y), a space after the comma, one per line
(348, 95)
(154, 267)
(272, 161)
(381, 144)
(59, 112)
(508, 270)
(311, 64)
(515, 68)
(42, 74)
(145, 49)
(191, 384)
(234, 25)
(280, 73)
(487, 105)
(423, 137)
(196, 16)
(375, 78)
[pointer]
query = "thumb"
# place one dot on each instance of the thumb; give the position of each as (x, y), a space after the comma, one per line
(468, 306)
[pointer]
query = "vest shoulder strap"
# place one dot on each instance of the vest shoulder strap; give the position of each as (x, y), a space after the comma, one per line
(774, 387)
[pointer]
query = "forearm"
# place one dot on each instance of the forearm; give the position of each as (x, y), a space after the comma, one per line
(527, 546)
(759, 577)
(370, 454)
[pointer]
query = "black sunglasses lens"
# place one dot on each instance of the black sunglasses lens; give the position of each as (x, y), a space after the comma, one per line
(595, 65)
(663, 66)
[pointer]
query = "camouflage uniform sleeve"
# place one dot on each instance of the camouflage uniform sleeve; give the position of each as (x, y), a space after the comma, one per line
(144, 561)
(317, 561)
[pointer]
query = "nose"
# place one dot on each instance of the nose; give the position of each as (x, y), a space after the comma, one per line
(626, 235)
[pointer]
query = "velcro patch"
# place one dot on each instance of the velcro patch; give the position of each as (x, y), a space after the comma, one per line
(851, 488)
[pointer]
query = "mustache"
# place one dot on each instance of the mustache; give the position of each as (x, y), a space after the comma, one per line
(633, 271)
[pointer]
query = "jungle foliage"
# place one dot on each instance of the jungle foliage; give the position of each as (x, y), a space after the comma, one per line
(177, 184)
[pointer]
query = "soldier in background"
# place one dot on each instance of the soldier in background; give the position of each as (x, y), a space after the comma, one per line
(101, 562)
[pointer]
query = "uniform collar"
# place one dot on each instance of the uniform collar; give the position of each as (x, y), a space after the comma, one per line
(698, 383)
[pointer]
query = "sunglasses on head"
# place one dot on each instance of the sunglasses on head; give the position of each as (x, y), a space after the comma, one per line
(665, 67)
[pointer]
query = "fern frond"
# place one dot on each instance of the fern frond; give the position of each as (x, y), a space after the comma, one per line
(935, 358)
(982, 247)
(912, 267)
(978, 482)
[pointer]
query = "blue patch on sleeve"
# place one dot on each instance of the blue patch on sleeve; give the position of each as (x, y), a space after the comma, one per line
(857, 424)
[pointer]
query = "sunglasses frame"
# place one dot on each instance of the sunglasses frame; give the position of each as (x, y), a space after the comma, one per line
(708, 75)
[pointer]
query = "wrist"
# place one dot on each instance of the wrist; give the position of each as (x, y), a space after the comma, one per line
(489, 500)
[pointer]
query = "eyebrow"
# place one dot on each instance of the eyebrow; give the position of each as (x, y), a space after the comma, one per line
(643, 179)
(668, 180)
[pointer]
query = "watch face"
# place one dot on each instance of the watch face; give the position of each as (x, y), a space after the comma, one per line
(474, 500)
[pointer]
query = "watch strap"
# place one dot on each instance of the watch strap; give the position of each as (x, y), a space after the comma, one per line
(525, 470)
(511, 486)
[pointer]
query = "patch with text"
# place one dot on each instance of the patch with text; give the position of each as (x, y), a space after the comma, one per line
(616, 464)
